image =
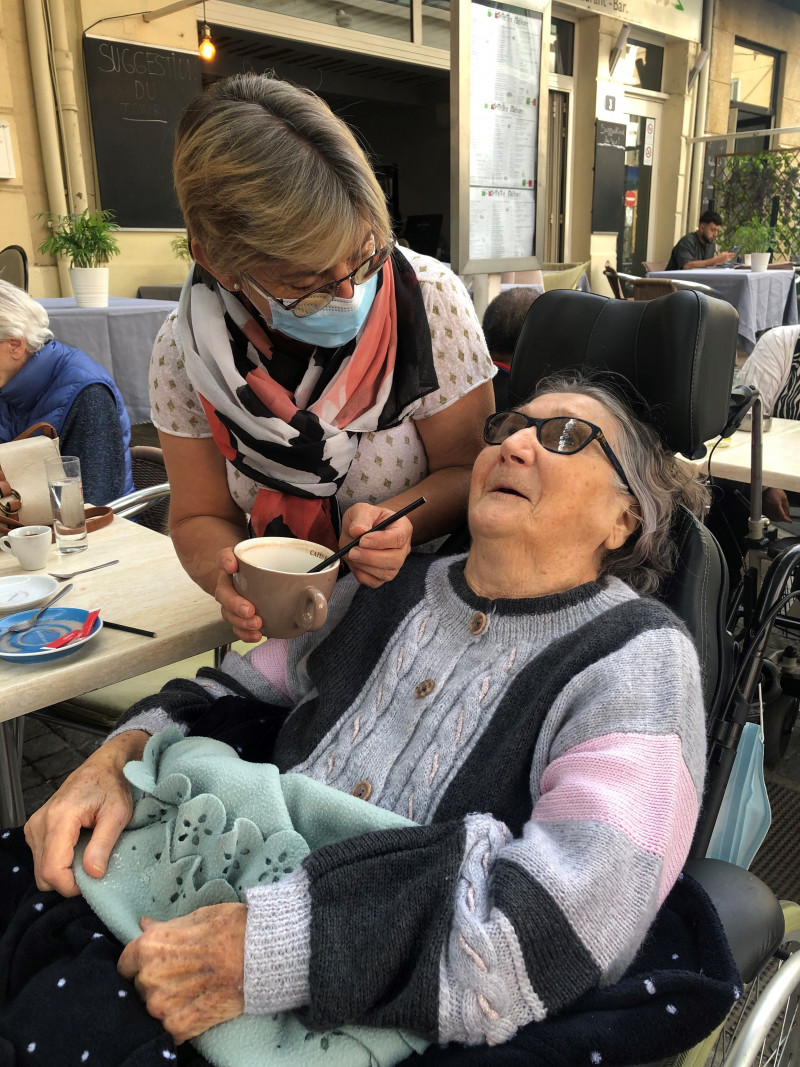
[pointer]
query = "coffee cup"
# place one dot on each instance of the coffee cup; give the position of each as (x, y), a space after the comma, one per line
(273, 576)
(30, 544)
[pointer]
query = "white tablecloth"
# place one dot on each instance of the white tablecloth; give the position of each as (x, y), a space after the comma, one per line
(763, 299)
(780, 464)
(119, 337)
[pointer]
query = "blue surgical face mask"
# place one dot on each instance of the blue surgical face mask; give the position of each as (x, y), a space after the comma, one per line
(335, 325)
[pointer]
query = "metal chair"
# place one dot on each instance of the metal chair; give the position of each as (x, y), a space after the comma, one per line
(650, 288)
(150, 500)
(614, 281)
(14, 266)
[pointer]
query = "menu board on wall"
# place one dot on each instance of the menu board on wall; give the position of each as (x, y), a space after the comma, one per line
(137, 93)
(506, 51)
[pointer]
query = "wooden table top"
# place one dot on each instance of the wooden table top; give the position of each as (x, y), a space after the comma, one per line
(148, 588)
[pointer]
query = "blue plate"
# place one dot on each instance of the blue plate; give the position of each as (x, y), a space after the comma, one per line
(28, 646)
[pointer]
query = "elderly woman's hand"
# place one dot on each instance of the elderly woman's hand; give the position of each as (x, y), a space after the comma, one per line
(239, 612)
(190, 971)
(96, 796)
(378, 556)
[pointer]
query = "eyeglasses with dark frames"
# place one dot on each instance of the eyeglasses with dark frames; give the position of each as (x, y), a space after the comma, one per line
(563, 434)
(319, 298)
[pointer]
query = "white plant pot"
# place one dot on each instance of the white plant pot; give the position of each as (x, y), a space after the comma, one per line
(90, 286)
(759, 261)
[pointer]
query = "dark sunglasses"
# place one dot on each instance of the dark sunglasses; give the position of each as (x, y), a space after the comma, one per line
(318, 299)
(562, 434)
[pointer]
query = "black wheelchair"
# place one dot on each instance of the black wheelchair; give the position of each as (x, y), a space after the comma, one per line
(678, 354)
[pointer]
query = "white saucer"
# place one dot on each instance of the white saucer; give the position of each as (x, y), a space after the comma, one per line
(18, 592)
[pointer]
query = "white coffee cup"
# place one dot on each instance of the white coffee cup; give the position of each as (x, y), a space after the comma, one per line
(30, 544)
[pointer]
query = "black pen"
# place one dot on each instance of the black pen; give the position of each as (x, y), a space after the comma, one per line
(128, 629)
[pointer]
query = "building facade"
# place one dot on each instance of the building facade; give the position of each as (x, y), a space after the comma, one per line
(629, 89)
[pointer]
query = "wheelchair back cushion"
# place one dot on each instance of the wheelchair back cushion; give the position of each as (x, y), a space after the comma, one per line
(678, 352)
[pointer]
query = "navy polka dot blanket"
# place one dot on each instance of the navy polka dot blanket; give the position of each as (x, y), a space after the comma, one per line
(63, 1002)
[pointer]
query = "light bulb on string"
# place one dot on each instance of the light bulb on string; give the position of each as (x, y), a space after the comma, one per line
(206, 48)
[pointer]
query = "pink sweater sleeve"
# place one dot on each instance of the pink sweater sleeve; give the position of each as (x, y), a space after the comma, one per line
(271, 659)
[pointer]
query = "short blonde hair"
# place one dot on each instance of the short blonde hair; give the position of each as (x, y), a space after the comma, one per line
(265, 171)
(22, 318)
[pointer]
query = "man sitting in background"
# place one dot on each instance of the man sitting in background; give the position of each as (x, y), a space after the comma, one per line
(42, 380)
(502, 322)
(699, 249)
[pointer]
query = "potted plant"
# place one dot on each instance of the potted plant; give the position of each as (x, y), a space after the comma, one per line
(181, 249)
(87, 241)
(754, 239)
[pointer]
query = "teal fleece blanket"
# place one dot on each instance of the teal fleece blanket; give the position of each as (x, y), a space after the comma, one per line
(206, 826)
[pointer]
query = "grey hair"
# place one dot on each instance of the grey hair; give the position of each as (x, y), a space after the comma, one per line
(22, 318)
(660, 483)
(265, 171)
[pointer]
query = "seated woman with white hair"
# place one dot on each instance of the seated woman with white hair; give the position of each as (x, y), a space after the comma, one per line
(43, 380)
(524, 725)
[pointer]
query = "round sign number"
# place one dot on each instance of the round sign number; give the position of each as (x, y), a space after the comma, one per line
(630, 198)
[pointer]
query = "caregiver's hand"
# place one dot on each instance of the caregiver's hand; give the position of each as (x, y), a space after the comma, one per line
(190, 971)
(239, 612)
(378, 556)
(97, 797)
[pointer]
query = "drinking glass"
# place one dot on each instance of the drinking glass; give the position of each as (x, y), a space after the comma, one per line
(66, 496)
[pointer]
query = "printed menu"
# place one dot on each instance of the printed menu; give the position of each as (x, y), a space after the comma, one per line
(504, 124)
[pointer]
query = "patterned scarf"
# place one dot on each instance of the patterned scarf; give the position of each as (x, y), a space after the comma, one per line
(297, 443)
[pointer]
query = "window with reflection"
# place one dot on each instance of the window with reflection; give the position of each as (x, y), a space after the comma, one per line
(436, 24)
(753, 76)
(387, 18)
(562, 46)
(642, 65)
(754, 81)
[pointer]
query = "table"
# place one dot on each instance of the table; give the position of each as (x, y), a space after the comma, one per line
(148, 588)
(781, 457)
(119, 337)
(763, 298)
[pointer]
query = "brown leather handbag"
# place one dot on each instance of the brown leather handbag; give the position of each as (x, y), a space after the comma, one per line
(24, 492)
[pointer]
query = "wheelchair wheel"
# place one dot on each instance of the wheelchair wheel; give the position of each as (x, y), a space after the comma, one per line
(763, 1028)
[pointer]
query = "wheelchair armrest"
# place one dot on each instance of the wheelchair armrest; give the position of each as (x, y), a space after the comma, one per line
(749, 911)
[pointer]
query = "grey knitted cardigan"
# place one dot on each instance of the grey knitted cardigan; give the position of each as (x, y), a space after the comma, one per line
(552, 751)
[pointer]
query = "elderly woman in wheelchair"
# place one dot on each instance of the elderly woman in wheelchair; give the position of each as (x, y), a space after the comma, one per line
(523, 732)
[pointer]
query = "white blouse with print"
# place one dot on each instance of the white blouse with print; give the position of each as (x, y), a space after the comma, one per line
(387, 462)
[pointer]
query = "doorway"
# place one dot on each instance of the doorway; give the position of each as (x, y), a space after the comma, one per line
(556, 185)
(643, 131)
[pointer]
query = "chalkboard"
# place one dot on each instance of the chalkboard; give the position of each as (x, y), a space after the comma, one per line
(136, 96)
(610, 134)
(609, 177)
(711, 149)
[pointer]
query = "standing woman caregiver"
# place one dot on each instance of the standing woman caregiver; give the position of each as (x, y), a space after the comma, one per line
(315, 378)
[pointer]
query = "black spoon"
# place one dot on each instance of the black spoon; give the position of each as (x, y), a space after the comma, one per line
(380, 526)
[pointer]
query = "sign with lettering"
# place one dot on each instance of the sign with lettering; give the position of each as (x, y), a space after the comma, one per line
(609, 177)
(679, 18)
(137, 94)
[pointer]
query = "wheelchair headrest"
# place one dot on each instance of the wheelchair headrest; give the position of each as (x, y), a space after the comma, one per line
(678, 352)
